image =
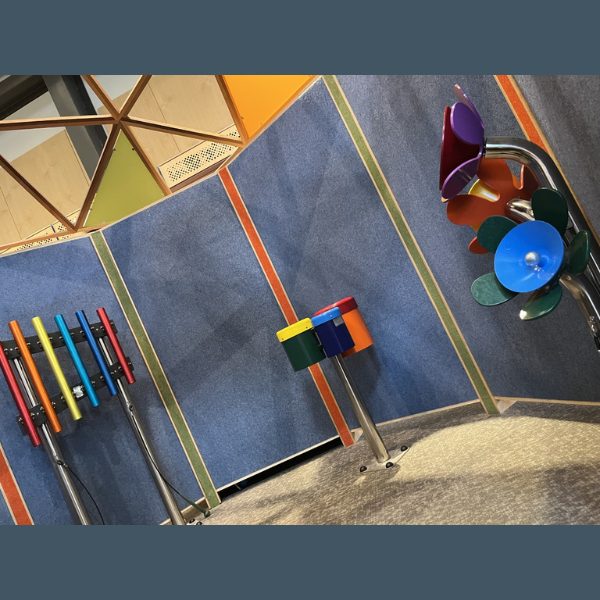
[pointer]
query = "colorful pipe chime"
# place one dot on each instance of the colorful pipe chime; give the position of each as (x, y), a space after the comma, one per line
(38, 412)
(526, 226)
(335, 332)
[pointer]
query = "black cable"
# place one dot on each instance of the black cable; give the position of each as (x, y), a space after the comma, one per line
(206, 513)
(60, 463)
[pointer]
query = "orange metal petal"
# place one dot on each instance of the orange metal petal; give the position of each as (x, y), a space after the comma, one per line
(467, 209)
(529, 183)
(495, 173)
(495, 187)
(476, 248)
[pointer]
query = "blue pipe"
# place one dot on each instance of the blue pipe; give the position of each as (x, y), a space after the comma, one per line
(83, 374)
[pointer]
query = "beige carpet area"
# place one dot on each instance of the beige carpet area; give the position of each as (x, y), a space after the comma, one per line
(538, 463)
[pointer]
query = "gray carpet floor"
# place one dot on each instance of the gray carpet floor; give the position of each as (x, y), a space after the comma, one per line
(538, 463)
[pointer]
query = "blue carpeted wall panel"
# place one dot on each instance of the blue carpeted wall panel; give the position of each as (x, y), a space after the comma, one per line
(401, 117)
(5, 518)
(329, 236)
(566, 107)
(101, 447)
(212, 318)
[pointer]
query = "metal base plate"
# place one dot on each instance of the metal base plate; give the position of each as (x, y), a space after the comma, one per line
(356, 434)
(372, 466)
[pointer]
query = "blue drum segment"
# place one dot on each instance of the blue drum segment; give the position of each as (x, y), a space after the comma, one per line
(332, 332)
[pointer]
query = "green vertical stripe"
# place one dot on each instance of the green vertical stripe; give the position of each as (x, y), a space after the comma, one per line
(411, 245)
(151, 358)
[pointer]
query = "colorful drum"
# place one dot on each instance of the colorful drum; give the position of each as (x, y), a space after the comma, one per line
(354, 322)
(332, 332)
(301, 345)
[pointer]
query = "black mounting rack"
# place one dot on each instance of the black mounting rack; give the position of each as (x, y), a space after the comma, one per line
(33, 343)
(38, 414)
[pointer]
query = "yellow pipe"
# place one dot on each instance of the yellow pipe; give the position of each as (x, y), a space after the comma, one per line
(54, 364)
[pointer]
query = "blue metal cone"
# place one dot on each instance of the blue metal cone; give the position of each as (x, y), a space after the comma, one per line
(529, 256)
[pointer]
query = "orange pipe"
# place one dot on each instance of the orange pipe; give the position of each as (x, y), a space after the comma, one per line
(35, 377)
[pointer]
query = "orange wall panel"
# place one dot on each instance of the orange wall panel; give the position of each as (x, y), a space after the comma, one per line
(258, 98)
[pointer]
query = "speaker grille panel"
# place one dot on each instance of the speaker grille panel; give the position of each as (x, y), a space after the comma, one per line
(54, 228)
(197, 159)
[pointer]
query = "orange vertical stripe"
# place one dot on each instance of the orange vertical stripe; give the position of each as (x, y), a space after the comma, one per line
(526, 120)
(284, 302)
(533, 131)
(12, 494)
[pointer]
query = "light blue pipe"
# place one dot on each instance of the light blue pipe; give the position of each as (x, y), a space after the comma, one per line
(83, 374)
(89, 336)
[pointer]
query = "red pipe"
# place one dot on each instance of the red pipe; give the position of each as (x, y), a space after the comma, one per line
(116, 345)
(15, 390)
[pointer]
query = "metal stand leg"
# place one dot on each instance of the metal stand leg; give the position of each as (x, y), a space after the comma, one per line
(52, 449)
(127, 404)
(383, 459)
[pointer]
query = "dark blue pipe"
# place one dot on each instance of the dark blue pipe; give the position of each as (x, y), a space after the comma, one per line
(110, 384)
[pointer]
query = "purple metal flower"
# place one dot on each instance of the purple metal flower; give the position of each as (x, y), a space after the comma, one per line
(462, 145)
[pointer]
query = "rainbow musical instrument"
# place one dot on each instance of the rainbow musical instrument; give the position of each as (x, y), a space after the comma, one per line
(38, 412)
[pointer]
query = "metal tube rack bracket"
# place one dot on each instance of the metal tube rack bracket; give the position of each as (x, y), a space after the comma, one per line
(11, 349)
(38, 414)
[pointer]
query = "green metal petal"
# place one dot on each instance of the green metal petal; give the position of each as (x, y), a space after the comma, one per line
(549, 205)
(488, 291)
(578, 253)
(542, 302)
(492, 231)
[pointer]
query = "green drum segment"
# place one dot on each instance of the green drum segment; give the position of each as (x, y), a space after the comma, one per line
(301, 345)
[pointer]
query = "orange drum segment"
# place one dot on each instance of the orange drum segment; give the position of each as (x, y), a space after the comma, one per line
(355, 323)
(358, 330)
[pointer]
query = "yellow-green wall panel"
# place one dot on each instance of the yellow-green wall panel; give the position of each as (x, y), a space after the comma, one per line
(126, 187)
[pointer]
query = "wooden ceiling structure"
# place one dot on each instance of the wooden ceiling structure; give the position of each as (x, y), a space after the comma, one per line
(120, 120)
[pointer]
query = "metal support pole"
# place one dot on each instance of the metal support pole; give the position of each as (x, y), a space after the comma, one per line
(382, 456)
(52, 449)
(17, 91)
(143, 442)
(364, 418)
(71, 98)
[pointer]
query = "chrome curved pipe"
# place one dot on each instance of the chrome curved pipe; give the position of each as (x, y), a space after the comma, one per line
(581, 288)
(548, 175)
